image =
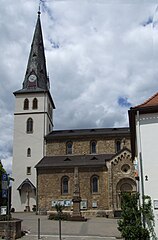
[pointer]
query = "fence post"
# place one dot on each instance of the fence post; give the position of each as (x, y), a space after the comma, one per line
(60, 226)
(38, 228)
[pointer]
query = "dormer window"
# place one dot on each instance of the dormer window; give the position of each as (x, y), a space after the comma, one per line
(26, 104)
(69, 148)
(93, 147)
(35, 103)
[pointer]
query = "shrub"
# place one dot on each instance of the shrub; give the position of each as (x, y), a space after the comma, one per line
(56, 216)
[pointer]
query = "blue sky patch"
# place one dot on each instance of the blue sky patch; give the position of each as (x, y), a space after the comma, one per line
(147, 21)
(123, 102)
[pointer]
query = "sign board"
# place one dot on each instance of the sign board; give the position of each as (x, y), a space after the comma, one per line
(4, 177)
(83, 204)
(3, 210)
(63, 202)
(4, 185)
(4, 193)
(155, 204)
(94, 204)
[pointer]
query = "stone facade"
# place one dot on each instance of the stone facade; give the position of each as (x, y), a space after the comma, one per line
(115, 173)
(82, 146)
(122, 177)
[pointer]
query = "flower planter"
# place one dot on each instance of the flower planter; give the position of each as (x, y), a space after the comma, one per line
(11, 228)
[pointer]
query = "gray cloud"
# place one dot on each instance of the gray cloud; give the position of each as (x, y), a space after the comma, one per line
(97, 53)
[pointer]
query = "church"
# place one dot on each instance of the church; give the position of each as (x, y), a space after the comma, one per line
(45, 160)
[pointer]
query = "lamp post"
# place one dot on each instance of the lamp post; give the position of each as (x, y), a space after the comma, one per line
(59, 209)
(8, 203)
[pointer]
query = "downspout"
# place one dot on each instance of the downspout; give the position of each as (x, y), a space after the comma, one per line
(139, 144)
(37, 209)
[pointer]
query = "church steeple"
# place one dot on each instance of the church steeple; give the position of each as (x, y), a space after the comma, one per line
(36, 73)
(33, 120)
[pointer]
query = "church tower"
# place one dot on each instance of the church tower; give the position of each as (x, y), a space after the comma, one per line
(33, 120)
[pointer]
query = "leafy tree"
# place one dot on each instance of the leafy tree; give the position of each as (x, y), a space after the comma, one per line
(130, 225)
(59, 208)
(147, 211)
(3, 201)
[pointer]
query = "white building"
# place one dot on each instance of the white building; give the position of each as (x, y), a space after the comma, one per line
(33, 120)
(144, 143)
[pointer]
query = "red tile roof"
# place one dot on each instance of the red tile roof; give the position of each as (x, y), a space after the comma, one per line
(151, 102)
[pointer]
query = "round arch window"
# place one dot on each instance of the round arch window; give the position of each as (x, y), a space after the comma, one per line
(125, 168)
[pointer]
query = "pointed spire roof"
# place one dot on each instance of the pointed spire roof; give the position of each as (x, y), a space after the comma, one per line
(36, 79)
(36, 66)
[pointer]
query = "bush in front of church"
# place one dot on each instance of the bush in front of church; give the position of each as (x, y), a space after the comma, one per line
(55, 216)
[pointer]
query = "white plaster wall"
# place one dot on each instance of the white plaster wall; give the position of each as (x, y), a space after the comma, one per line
(22, 141)
(148, 145)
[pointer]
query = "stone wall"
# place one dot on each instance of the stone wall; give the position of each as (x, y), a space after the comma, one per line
(122, 177)
(10, 229)
(110, 176)
(82, 146)
(49, 187)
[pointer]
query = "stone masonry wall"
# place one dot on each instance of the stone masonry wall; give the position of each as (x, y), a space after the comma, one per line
(49, 187)
(121, 174)
(49, 180)
(82, 146)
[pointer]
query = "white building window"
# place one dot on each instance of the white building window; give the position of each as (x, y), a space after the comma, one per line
(35, 103)
(29, 152)
(28, 171)
(26, 104)
(29, 125)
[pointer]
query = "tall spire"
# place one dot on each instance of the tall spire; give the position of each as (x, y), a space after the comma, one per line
(36, 73)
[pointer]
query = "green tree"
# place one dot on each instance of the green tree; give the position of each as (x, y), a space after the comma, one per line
(130, 225)
(2, 200)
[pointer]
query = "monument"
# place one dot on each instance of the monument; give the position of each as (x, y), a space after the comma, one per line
(76, 214)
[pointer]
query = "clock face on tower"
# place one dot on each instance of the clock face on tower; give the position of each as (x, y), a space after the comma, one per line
(32, 78)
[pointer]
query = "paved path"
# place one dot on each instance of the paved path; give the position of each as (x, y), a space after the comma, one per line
(93, 229)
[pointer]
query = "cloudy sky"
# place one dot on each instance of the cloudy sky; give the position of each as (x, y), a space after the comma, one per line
(102, 58)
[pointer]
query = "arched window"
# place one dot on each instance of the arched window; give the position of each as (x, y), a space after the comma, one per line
(65, 185)
(93, 147)
(94, 184)
(26, 104)
(29, 125)
(29, 152)
(35, 103)
(69, 148)
(118, 145)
